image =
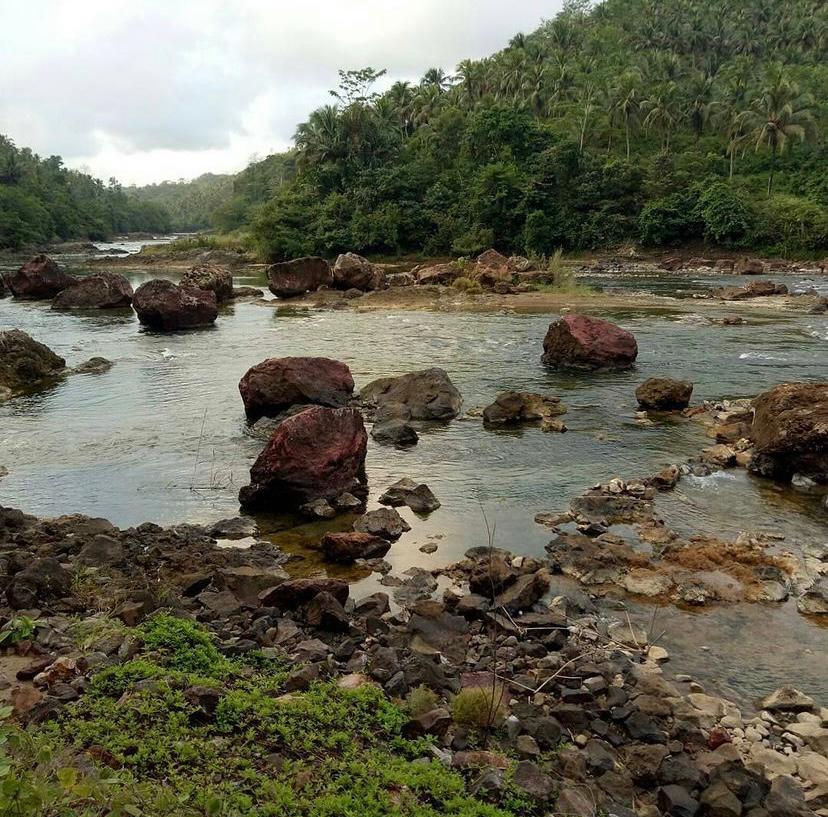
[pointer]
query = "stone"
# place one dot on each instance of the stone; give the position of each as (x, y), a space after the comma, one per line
(418, 497)
(524, 592)
(490, 268)
(25, 363)
(352, 271)
(814, 601)
(164, 306)
(104, 290)
(423, 395)
(95, 365)
(279, 383)
(676, 801)
(42, 581)
(529, 778)
(720, 455)
(291, 278)
(349, 546)
(247, 292)
(514, 407)
(718, 801)
(442, 274)
(575, 801)
(213, 277)
(755, 289)
(316, 454)
(583, 342)
(40, 278)
(294, 593)
(790, 432)
(394, 432)
(787, 699)
(101, 551)
(664, 394)
(325, 612)
(384, 522)
(749, 266)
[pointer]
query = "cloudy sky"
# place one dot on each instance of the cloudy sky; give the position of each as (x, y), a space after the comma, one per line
(147, 90)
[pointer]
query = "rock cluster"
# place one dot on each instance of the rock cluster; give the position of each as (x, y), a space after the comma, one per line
(756, 289)
(516, 407)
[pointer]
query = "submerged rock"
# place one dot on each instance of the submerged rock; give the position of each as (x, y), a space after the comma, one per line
(276, 384)
(104, 290)
(39, 279)
(394, 432)
(418, 497)
(423, 395)
(25, 363)
(163, 305)
(664, 394)
(316, 454)
(582, 342)
(247, 292)
(352, 271)
(352, 545)
(95, 365)
(291, 278)
(213, 277)
(515, 407)
(385, 522)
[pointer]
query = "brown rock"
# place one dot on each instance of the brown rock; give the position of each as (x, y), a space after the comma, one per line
(291, 278)
(664, 394)
(349, 546)
(38, 279)
(582, 342)
(162, 305)
(515, 407)
(25, 363)
(104, 290)
(352, 271)
(213, 277)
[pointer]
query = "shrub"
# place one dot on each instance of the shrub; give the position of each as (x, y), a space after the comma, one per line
(473, 242)
(480, 707)
(727, 216)
(789, 224)
(184, 646)
(467, 285)
(669, 220)
(421, 700)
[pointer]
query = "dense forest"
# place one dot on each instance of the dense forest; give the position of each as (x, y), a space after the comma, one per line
(633, 120)
(41, 201)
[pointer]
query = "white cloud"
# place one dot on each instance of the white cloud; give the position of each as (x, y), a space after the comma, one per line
(154, 90)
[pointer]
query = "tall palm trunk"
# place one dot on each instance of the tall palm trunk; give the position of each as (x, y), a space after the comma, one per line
(772, 167)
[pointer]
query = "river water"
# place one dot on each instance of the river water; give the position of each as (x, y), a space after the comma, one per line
(161, 437)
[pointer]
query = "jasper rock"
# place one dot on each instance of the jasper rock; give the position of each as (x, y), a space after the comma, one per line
(423, 395)
(515, 407)
(491, 268)
(394, 432)
(418, 497)
(582, 342)
(163, 305)
(349, 546)
(352, 271)
(291, 278)
(790, 432)
(104, 290)
(41, 581)
(296, 592)
(316, 454)
(278, 383)
(39, 279)
(25, 363)
(213, 277)
(385, 522)
(664, 394)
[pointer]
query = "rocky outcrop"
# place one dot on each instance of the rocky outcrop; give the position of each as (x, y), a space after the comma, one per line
(444, 274)
(424, 395)
(664, 394)
(316, 454)
(348, 546)
(583, 342)
(39, 279)
(288, 279)
(26, 364)
(516, 407)
(491, 268)
(163, 305)
(756, 289)
(104, 290)
(790, 432)
(213, 277)
(352, 271)
(277, 384)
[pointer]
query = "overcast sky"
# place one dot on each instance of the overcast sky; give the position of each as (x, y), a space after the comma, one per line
(147, 90)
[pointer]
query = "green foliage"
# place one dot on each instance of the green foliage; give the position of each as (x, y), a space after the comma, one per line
(191, 205)
(669, 220)
(184, 646)
(467, 285)
(791, 224)
(481, 707)
(726, 214)
(17, 629)
(420, 700)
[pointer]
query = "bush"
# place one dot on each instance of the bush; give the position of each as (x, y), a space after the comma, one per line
(184, 646)
(467, 285)
(789, 224)
(727, 216)
(473, 242)
(421, 700)
(481, 707)
(669, 220)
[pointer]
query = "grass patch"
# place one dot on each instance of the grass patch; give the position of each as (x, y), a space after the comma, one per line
(240, 242)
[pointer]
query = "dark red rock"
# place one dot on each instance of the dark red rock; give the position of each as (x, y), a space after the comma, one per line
(39, 279)
(163, 305)
(316, 454)
(348, 546)
(291, 278)
(582, 342)
(214, 277)
(278, 383)
(104, 290)
(296, 592)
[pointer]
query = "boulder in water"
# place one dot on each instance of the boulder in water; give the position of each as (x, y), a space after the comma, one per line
(790, 432)
(349, 546)
(424, 395)
(276, 384)
(394, 432)
(163, 305)
(39, 279)
(104, 290)
(26, 364)
(316, 454)
(583, 342)
(664, 394)
(419, 497)
(288, 279)
(352, 271)
(755, 289)
(214, 277)
(515, 407)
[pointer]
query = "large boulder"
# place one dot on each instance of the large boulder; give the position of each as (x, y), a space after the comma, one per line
(104, 290)
(491, 268)
(278, 383)
(664, 394)
(349, 546)
(516, 407)
(216, 278)
(444, 274)
(583, 342)
(790, 431)
(39, 279)
(161, 304)
(25, 363)
(288, 279)
(316, 454)
(749, 266)
(755, 289)
(352, 271)
(424, 395)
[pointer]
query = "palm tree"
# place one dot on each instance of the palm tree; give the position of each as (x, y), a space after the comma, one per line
(626, 108)
(586, 104)
(661, 113)
(320, 138)
(472, 81)
(437, 78)
(779, 114)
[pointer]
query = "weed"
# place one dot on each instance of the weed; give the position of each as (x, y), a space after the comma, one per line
(481, 707)
(467, 285)
(17, 629)
(421, 700)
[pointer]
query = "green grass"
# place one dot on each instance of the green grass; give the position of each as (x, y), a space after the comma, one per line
(136, 745)
(229, 242)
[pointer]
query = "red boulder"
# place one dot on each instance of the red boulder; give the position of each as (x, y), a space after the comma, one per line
(582, 342)
(105, 290)
(39, 279)
(291, 278)
(162, 304)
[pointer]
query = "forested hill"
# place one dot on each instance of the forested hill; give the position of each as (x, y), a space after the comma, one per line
(656, 121)
(41, 200)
